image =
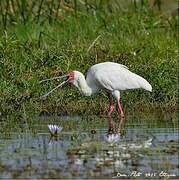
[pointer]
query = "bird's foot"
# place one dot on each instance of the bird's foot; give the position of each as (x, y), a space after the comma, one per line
(111, 127)
(111, 131)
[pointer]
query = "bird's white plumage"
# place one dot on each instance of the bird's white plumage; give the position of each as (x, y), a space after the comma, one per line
(113, 76)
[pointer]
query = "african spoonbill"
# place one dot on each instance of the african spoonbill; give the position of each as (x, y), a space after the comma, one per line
(109, 76)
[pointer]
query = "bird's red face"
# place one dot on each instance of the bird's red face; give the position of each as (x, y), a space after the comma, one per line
(71, 77)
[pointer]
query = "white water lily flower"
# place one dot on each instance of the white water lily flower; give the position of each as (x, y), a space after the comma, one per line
(112, 138)
(54, 129)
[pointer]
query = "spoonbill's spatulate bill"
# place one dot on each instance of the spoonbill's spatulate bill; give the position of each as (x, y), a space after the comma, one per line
(109, 76)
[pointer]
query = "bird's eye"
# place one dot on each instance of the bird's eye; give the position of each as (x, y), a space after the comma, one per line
(70, 76)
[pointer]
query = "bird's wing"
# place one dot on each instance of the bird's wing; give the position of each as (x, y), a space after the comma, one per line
(113, 76)
(117, 78)
(123, 66)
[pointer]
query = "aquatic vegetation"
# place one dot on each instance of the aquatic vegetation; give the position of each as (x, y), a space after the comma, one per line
(54, 129)
(144, 146)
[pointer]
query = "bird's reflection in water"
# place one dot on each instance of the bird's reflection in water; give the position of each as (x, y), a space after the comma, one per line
(112, 138)
(53, 140)
(116, 127)
(114, 132)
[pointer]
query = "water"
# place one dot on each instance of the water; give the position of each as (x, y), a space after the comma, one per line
(81, 150)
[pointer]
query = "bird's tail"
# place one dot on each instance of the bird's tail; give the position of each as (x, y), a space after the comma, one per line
(146, 85)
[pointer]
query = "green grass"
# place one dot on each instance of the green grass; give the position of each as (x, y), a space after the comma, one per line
(36, 47)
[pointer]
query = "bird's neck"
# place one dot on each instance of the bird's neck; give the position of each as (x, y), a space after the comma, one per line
(84, 88)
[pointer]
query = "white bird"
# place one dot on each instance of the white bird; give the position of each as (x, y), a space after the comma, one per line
(109, 76)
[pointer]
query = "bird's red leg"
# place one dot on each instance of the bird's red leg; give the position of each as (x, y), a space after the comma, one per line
(120, 109)
(110, 110)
